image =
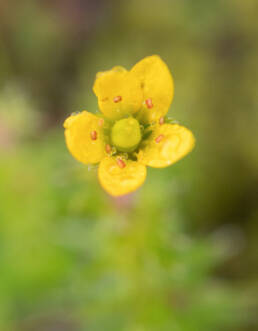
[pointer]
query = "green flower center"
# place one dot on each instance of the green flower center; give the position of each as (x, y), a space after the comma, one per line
(126, 134)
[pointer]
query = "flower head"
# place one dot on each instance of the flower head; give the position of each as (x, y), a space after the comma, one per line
(132, 131)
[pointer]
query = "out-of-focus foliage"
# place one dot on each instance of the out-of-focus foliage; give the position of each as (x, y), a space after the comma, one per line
(180, 254)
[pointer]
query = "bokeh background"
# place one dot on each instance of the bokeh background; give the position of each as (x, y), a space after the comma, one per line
(181, 253)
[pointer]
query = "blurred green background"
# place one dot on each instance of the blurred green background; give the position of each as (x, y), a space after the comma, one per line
(181, 253)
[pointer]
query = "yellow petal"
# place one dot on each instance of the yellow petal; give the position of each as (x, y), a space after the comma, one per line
(118, 181)
(119, 92)
(166, 145)
(78, 134)
(158, 87)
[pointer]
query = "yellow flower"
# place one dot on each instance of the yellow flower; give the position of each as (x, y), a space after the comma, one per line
(132, 131)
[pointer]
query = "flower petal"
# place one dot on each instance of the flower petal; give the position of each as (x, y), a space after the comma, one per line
(84, 137)
(117, 180)
(119, 92)
(158, 87)
(167, 144)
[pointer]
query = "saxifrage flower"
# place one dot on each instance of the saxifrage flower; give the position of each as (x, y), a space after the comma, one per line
(132, 131)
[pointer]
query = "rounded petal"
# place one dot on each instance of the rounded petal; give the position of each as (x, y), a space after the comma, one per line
(119, 92)
(167, 144)
(158, 87)
(84, 137)
(117, 180)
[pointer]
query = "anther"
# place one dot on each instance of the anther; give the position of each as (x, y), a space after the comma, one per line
(159, 138)
(120, 163)
(101, 122)
(93, 135)
(108, 148)
(117, 99)
(161, 120)
(149, 103)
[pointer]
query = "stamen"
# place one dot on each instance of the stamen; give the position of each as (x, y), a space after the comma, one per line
(108, 148)
(159, 138)
(93, 135)
(117, 99)
(161, 120)
(120, 163)
(101, 122)
(75, 113)
(149, 103)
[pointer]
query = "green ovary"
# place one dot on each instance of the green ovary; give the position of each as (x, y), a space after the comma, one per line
(126, 134)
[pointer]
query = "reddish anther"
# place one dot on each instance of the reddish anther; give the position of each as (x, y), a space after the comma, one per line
(120, 163)
(93, 135)
(159, 138)
(149, 103)
(161, 120)
(117, 99)
(108, 148)
(101, 122)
